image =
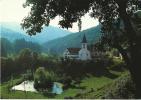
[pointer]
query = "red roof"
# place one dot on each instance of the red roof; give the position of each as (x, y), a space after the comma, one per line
(73, 50)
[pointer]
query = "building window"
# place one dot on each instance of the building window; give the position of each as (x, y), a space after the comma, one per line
(83, 45)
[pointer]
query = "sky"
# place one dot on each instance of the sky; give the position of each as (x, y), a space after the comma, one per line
(13, 11)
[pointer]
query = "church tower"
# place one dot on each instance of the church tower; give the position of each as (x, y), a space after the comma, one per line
(84, 42)
(84, 53)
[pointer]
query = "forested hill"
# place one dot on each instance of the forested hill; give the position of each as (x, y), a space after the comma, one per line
(12, 35)
(13, 31)
(57, 46)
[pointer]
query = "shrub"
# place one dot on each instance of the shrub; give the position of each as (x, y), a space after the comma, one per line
(40, 78)
(44, 79)
(8, 68)
(28, 75)
(122, 88)
(25, 58)
(66, 80)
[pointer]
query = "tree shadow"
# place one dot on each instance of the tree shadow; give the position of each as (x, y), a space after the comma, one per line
(98, 72)
(110, 75)
(77, 87)
(49, 94)
(77, 70)
(119, 68)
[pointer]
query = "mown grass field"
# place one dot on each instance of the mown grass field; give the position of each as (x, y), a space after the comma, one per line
(88, 83)
(119, 88)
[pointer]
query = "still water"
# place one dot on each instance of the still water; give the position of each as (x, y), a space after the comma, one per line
(29, 86)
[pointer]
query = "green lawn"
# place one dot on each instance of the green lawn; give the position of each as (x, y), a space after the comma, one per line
(86, 84)
(111, 87)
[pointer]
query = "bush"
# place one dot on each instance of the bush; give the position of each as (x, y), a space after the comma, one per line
(40, 78)
(8, 68)
(25, 58)
(79, 69)
(122, 88)
(66, 80)
(28, 75)
(44, 79)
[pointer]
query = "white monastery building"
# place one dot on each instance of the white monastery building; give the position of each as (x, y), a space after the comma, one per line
(78, 53)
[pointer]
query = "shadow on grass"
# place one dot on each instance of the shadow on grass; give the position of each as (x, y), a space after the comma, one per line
(49, 94)
(119, 68)
(103, 72)
(77, 87)
(110, 75)
(77, 70)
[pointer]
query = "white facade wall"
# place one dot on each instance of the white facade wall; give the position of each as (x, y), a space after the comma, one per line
(84, 54)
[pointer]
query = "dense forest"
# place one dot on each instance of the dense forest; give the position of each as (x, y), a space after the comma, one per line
(9, 48)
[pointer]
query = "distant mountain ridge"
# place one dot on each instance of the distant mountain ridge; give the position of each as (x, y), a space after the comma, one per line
(58, 45)
(12, 35)
(47, 34)
(52, 39)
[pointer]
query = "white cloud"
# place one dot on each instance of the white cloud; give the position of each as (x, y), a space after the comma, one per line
(13, 11)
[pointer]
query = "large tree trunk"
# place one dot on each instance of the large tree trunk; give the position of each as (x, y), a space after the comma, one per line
(134, 65)
(134, 59)
(135, 69)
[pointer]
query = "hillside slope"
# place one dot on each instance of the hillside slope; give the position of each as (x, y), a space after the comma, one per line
(57, 46)
(47, 34)
(120, 88)
(13, 35)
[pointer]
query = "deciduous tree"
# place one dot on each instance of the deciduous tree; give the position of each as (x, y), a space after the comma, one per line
(127, 39)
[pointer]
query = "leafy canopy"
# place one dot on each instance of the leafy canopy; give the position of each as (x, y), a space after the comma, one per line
(70, 11)
(109, 13)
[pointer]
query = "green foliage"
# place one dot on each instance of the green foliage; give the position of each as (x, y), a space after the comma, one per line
(25, 58)
(20, 44)
(44, 11)
(17, 64)
(87, 82)
(40, 78)
(28, 75)
(48, 61)
(122, 88)
(66, 80)
(79, 69)
(72, 87)
(51, 76)
(8, 66)
(6, 47)
(44, 79)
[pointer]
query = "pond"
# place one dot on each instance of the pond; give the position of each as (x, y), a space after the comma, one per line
(25, 86)
(57, 88)
(29, 86)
